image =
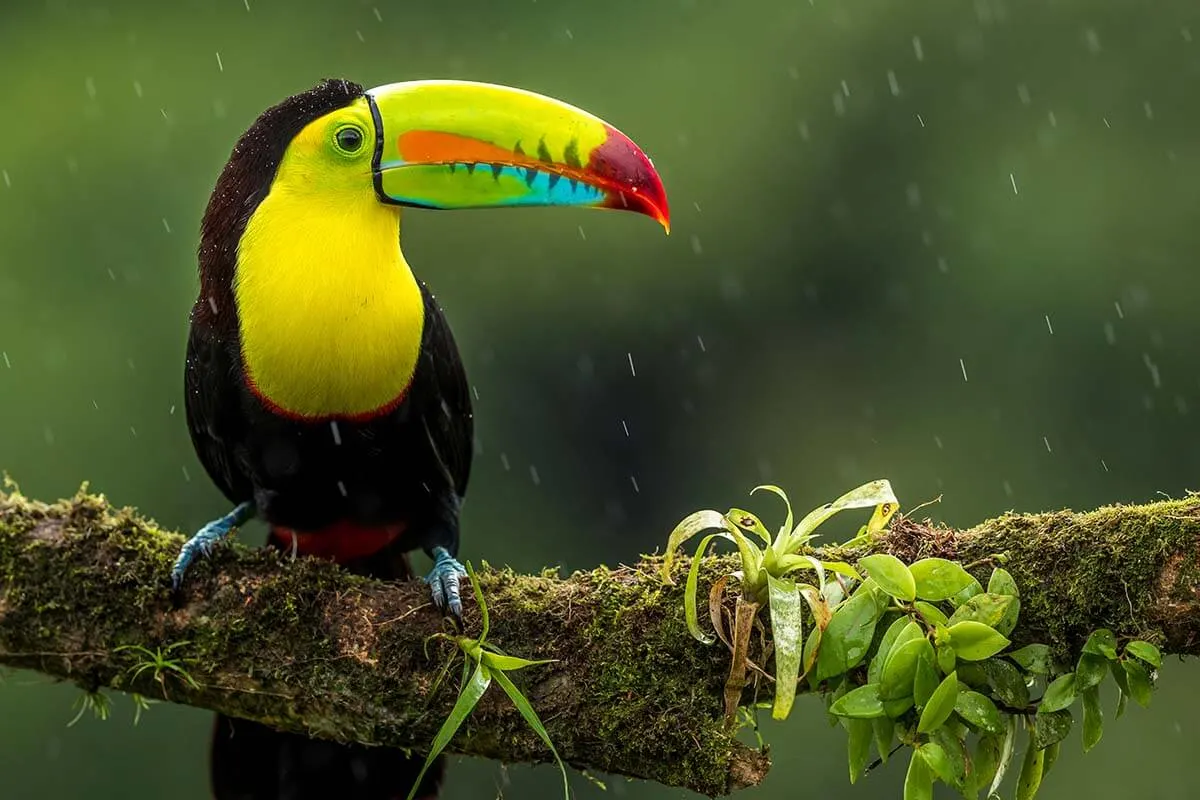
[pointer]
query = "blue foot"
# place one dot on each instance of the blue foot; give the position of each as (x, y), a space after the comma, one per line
(443, 581)
(202, 543)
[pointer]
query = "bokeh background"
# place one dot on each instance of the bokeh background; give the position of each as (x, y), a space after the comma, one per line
(948, 243)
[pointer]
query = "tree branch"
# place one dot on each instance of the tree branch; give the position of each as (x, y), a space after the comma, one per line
(306, 647)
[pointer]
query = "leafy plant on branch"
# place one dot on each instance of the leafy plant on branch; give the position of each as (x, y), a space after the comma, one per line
(912, 655)
(491, 663)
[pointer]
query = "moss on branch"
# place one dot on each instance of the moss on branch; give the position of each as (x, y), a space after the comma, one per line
(307, 647)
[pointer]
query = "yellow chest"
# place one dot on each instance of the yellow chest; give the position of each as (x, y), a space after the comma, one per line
(330, 315)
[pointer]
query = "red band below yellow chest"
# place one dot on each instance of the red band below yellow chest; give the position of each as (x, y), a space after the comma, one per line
(340, 542)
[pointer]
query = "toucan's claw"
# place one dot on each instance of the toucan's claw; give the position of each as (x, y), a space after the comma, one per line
(202, 543)
(443, 582)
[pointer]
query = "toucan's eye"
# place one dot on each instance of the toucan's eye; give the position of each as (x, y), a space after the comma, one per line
(348, 139)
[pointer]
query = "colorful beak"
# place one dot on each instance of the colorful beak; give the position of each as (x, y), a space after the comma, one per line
(460, 144)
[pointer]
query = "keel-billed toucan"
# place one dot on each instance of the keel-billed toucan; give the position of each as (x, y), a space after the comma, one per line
(324, 391)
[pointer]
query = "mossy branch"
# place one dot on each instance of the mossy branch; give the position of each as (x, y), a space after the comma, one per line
(306, 647)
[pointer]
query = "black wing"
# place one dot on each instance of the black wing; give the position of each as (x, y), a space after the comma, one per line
(212, 404)
(447, 413)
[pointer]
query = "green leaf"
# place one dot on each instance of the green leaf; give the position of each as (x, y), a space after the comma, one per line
(1118, 672)
(467, 699)
(842, 568)
(918, 781)
(897, 708)
(876, 493)
(848, 635)
(891, 575)
(1103, 643)
(1139, 682)
(980, 712)
(811, 648)
(1051, 757)
(890, 636)
(861, 703)
(1002, 583)
(531, 718)
(930, 613)
(885, 731)
(787, 523)
(939, 579)
(499, 661)
(1059, 694)
(1033, 658)
(925, 680)
(691, 525)
(945, 658)
(1051, 727)
(1090, 670)
(1146, 652)
(787, 632)
(1031, 773)
(859, 747)
(987, 608)
(938, 762)
(749, 523)
(973, 588)
(974, 641)
(1093, 718)
(940, 705)
(900, 669)
(1006, 682)
(690, 589)
(984, 763)
(953, 744)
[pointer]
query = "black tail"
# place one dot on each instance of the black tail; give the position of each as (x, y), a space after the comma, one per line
(250, 761)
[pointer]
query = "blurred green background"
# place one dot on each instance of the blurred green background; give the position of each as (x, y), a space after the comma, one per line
(948, 243)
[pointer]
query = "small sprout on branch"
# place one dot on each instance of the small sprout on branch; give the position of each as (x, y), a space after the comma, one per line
(491, 663)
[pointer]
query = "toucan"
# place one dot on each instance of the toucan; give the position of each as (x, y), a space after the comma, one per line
(324, 391)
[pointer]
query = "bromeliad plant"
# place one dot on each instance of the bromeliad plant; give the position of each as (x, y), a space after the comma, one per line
(765, 577)
(915, 653)
(491, 664)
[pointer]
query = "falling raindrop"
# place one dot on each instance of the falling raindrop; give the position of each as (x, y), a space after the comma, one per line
(1110, 334)
(632, 371)
(1046, 440)
(166, 225)
(1013, 180)
(636, 488)
(504, 462)
(7, 363)
(534, 476)
(1120, 311)
(700, 342)
(1103, 464)
(937, 440)
(1049, 327)
(220, 65)
(1155, 378)
(893, 84)
(337, 433)
(918, 50)
(187, 476)
(625, 428)
(963, 366)
(7, 180)
(342, 488)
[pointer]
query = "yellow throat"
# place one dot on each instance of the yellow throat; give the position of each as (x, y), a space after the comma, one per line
(330, 313)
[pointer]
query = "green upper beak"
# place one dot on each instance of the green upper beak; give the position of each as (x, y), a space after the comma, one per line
(460, 144)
